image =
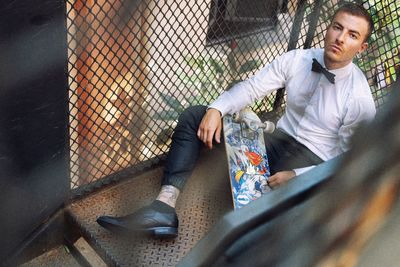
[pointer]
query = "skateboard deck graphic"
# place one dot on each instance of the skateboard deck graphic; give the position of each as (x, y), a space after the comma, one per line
(247, 157)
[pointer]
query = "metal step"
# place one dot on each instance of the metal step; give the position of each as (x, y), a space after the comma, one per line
(59, 256)
(205, 199)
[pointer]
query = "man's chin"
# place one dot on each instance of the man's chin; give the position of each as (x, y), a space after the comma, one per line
(333, 54)
(333, 61)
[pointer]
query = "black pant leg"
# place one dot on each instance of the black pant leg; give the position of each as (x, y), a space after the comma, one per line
(185, 148)
(286, 153)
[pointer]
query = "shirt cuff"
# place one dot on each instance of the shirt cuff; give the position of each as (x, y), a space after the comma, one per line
(221, 104)
(299, 171)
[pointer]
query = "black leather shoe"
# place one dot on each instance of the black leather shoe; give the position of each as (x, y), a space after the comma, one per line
(145, 221)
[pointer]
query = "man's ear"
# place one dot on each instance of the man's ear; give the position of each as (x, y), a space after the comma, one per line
(363, 47)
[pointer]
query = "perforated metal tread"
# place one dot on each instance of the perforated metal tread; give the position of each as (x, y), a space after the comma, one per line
(205, 199)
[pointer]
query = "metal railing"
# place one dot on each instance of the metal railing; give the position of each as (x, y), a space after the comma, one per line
(135, 65)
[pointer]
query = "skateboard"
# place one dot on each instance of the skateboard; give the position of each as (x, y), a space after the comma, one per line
(247, 157)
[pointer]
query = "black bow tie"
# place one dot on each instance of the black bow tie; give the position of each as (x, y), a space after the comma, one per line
(318, 68)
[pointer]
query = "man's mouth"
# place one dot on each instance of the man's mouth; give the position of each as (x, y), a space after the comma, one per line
(335, 48)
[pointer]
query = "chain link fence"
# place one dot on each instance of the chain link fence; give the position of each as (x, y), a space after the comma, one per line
(135, 65)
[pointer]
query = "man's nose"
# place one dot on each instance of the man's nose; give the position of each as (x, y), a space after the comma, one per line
(340, 37)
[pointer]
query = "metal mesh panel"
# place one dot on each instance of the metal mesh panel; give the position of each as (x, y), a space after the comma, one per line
(381, 61)
(135, 65)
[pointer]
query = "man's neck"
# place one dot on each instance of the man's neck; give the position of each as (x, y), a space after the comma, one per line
(335, 65)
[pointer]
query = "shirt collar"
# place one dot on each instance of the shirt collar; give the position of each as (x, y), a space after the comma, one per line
(339, 73)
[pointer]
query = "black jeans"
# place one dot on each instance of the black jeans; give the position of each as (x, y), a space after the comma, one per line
(284, 152)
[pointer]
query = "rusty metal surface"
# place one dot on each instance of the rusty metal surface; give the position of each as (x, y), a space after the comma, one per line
(205, 199)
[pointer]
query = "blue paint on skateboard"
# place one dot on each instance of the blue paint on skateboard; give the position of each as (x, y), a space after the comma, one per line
(247, 160)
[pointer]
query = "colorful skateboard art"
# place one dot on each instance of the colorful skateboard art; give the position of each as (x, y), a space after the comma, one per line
(247, 157)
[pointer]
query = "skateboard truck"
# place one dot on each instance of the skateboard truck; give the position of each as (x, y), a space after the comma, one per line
(253, 123)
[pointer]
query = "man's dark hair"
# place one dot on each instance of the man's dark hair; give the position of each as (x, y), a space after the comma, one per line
(359, 11)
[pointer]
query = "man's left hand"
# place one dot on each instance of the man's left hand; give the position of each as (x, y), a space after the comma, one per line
(280, 178)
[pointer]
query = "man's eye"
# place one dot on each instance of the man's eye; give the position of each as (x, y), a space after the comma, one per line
(353, 36)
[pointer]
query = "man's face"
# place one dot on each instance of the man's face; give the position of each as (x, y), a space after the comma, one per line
(344, 38)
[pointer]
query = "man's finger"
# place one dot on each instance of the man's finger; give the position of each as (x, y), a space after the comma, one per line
(209, 139)
(218, 134)
(204, 137)
(201, 135)
(272, 184)
(272, 178)
(273, 181)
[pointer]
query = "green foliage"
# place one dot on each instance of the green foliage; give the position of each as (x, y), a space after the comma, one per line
(385, 39)
(172, 102)
(205, 78)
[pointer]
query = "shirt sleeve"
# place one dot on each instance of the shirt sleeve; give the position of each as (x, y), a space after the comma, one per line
(299, 171)
(361, 110)
(265, 81)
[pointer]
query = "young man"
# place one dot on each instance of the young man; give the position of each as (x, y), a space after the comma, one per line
(327, 98)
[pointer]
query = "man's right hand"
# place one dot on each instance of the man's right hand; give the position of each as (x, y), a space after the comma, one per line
(210, 127)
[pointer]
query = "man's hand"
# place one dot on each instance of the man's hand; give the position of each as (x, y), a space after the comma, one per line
(280, 178)
(210, 126)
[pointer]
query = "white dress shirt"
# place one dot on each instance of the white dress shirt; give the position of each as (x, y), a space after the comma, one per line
(320, 115)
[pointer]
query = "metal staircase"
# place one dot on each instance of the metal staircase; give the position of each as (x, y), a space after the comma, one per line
(205, 199)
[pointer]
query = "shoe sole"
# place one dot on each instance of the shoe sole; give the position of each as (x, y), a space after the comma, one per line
(156, 232)
(164, 232)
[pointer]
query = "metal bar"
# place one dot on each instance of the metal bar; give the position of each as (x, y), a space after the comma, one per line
(297, 21)
(293, 40)
(118, 176)
(34, 152)
(315, 15)
(77, 254)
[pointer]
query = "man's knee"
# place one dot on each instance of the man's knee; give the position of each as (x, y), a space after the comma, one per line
(192, 116)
